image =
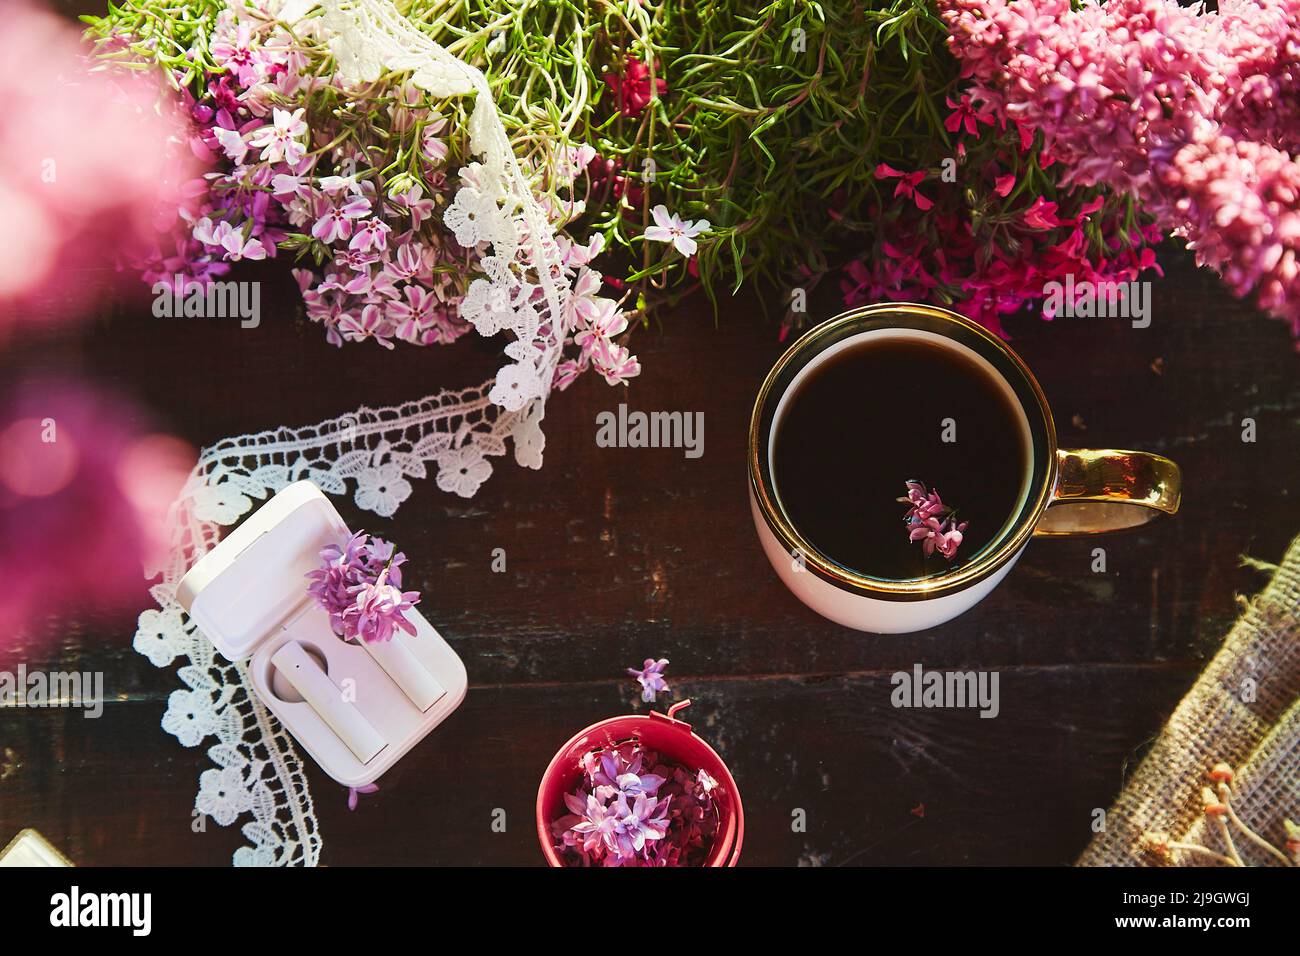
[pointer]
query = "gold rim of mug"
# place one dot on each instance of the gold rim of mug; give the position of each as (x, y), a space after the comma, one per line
(924, 317)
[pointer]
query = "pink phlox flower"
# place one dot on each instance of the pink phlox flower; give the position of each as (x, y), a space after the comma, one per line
(279, 141)
(415, 314)
(1041, 215)
(965, 114)
(235, 51)
(669, 227)
(605, 320)
(413, 203)
(405, 261)
(614, 362)
(379, 610)
(354, 792)
(856, 284)
(369, 325)
(632, 91)
(907, 183)
(574, 255)
(370, 234)
(232, 241)
(574, 160)
(567, 372)
(334, 219)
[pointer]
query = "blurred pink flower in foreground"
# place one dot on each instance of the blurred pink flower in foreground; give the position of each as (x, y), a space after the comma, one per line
(84, 167)
(84, 493)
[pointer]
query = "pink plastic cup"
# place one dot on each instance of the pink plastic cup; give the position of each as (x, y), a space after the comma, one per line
(674, 740)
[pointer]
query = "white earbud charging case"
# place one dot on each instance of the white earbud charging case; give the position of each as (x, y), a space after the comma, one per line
(248, 595)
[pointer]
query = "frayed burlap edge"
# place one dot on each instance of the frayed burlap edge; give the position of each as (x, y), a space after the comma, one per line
(1265, 791)
(1240, 711)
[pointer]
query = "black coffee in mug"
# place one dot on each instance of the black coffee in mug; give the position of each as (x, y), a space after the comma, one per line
(865, 420)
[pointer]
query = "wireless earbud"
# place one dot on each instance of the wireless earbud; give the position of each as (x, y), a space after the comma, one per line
(356, 711)
(325, 697)
(406, 670)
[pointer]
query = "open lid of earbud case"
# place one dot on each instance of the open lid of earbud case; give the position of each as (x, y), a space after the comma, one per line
(256, 578)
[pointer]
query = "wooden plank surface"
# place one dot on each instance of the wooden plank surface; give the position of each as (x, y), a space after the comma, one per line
(614, 555)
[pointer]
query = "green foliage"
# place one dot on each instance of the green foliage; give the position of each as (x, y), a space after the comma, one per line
(773, 122)
(772, 115)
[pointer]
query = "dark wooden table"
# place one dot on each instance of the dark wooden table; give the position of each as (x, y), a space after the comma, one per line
(614, 555)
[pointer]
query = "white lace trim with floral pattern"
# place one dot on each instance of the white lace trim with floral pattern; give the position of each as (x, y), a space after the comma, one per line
(371, 453)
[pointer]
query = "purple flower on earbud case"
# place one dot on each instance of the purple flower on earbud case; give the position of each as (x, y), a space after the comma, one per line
(359, 586)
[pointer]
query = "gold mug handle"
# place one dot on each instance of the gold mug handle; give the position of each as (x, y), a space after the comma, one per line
(1108, 489)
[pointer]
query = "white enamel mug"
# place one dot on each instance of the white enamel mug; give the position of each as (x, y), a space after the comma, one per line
(1064, 492)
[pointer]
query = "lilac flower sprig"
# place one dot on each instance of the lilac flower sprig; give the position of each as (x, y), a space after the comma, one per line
(931, 522)
(634, 808)
(360, 184)
(360, 587)
(651, 678)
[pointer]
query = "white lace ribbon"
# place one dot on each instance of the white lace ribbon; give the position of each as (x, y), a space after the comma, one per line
(371, 453)
(526, 288)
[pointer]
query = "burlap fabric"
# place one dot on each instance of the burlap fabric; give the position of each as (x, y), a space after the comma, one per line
(1244, 710)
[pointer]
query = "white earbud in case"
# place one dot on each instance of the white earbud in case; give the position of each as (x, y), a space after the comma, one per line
(355, 707)
(400, 663)
(325, 697)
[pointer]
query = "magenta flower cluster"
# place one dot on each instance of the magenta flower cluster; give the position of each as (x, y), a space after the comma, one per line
(360, 586)
(931, 522)
(1195, 113)
(997, 257)
(632, 807)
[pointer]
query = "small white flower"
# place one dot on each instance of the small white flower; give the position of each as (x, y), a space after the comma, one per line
(280, 139)
(530, 442)
(159, 635)
(260, 856)
(475, 217)
(222, 795)
(669, 227)
(484, 310)
(190, 716)
(462, 470)
(222, 503)
(515, 385)
(381, 489)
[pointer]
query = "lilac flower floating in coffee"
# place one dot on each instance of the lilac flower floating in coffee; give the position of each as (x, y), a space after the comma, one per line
(632, 807)
(931, 522)
(360, 587)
